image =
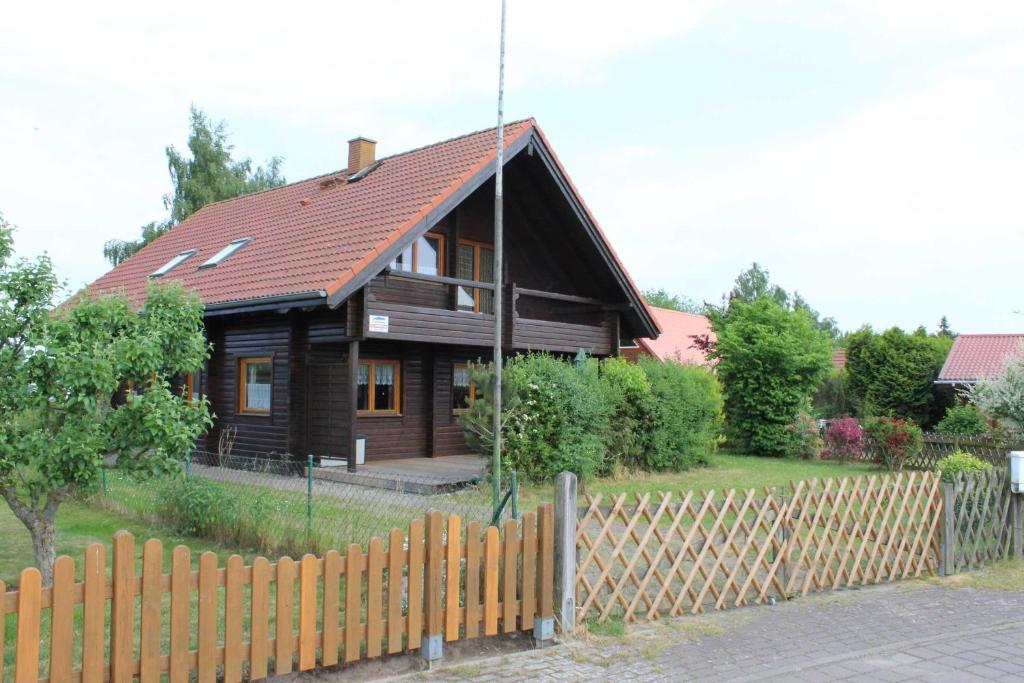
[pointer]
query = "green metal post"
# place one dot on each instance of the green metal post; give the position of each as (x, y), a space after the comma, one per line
(309, 496)
(515, 495)
(103, 478)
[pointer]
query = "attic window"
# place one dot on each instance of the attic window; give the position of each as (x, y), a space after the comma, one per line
(227, 251)
(173, 263)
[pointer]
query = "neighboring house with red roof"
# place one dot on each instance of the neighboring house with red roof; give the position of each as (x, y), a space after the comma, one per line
(977, 357)
(350, 303)
(839, 359)
(676, 341)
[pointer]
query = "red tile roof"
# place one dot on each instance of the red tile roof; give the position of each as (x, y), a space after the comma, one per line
(314, 235)
(839, 359)
(677, 332)
(979, 356)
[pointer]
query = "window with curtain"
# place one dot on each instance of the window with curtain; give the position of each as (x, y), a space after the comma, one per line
(379, 387)
(255, 382)
(475, 261)
(463, 389)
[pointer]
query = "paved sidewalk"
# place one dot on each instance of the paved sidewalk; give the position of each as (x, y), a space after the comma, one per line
(909, 631)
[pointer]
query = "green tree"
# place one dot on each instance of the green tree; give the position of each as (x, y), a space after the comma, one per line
(65, 413)
(892, 374)
(206, 175)
(944, 329)
(769, 361)
(755, 283)
(677, 302)
(1002, 398)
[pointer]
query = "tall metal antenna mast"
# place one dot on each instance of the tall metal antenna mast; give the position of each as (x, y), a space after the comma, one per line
(498, 284)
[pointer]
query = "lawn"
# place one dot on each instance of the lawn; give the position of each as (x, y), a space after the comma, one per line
(724, 472)
(80, 525)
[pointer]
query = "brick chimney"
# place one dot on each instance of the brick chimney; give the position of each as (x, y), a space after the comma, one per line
(360, 154)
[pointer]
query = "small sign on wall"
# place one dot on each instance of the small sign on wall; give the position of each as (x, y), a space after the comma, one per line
(379, 324)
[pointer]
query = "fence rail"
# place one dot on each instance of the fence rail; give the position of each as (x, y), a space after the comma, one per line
(247, 622)
(659, 554)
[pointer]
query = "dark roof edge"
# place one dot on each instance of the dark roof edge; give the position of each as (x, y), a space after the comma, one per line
(278, 301)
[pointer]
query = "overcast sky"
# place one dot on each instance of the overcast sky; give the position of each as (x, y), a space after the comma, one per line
(869, 153)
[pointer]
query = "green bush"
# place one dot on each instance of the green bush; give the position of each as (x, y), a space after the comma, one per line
(555, 417)
(686, 415)
(193, 506)
(628, 394)
(962, 420)
(832, 398)
(961, 461)
(805, 442)
(591, 417)
(894, 441)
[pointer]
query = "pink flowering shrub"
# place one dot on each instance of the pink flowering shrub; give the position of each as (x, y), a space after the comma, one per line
(844, 440)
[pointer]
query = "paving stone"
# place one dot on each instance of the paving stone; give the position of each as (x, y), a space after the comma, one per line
(898, 632)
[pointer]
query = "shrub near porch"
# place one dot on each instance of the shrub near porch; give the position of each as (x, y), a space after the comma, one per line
(594, 417)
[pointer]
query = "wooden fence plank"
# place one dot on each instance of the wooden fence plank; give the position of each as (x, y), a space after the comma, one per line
(528, 588)
(284, 637)
(151, 623)
(472, 588)
(491, 550)
(122, 609)
(434, 579)
(331, 615)
(30, 606)
(510, 568)
(353, 602)
(452, 574)
(396, 562)
(181, 607)
(206, 633)
(62, 617)
(307, 612)
(234, 610)
(415, 588)
(374, 597)
(259, 619)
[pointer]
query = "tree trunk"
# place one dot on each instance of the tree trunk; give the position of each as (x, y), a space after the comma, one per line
(44, 538)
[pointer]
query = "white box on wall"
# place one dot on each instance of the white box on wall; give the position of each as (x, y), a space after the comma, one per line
(1017, 471)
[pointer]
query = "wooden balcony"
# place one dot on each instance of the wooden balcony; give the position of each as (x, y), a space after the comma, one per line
(414, 307)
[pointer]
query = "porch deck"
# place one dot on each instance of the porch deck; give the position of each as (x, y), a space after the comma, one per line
(412, 475)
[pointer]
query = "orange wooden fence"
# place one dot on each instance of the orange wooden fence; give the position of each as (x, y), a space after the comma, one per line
(248, 622)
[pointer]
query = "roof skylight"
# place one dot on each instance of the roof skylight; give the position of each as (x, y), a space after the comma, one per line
(227, 251)
(173, 263)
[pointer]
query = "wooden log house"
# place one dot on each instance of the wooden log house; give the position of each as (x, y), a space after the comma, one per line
(350, 303)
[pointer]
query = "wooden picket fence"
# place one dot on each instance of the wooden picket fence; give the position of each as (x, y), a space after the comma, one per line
(247, 622)
(645, 556)
(979, 527)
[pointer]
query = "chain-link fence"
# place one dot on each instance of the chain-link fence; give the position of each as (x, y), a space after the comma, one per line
(274, 504)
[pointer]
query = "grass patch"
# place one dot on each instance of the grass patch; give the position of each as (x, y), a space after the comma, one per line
(79, 525)
(614, 627)
(1007, 575)
(724, 472)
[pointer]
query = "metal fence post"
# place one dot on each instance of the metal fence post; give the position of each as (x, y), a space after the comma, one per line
(1016, 509)
(565, 551)
(103, 480)
(947, 559)
(515, 495)
(309, 496)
